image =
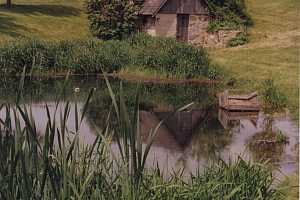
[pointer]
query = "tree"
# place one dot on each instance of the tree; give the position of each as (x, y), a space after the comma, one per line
(112, 19)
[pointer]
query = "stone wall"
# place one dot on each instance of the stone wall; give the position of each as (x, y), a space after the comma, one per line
(165, 25)
(199, 36)
(161, 25)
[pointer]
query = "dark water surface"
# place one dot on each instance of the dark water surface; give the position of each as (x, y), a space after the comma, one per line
(191, 139)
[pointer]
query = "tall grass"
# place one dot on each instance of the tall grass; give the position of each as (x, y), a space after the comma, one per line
(56, 165)
(165, 56)
(273, 97)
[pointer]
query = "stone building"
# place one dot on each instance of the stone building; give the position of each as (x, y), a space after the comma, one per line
(185, 20)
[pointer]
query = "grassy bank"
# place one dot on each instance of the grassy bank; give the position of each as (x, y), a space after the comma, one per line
(159, 55)
(273, 51)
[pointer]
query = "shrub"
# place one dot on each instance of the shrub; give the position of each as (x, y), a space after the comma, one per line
(226, 14)
(161, 55)
(240, 39)
(171, 57)
(29, 53)
(113, 19)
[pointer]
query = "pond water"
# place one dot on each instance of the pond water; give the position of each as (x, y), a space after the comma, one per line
(191, 139)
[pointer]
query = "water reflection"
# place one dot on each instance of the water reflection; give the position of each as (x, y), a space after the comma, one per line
(191, 139)
(233, 119)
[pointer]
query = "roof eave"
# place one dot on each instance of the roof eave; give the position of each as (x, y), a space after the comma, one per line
(158, 9)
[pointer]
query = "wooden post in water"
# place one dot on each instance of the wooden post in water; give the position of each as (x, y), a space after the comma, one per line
(8, 3)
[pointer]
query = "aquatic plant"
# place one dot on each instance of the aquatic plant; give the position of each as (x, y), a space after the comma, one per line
(273, 96)
(281, 137)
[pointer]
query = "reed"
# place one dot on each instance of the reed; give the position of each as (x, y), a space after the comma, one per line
(142, 52)
(273, 97)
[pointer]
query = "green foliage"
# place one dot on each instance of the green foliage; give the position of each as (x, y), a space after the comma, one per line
(228, 14)
(165, 56)
(113, 19)
(273, 97)
(24, 53)
(171, 57)
(240, 39)
(236, 180)
(281, 137)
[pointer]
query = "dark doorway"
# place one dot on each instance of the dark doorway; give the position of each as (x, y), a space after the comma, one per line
(182, 27)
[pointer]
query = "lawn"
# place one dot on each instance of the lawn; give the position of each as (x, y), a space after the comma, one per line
(273, 51)
(44, 19)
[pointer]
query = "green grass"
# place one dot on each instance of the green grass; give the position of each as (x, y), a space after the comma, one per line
(44, 19)
(290, 187)
(273, 51)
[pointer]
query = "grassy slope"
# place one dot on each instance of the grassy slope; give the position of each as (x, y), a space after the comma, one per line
(45, 19)
(273, 51)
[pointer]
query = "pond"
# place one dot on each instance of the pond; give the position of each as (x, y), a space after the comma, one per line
(189, 140)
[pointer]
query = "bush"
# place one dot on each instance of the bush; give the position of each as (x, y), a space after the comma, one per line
(230, 14)
(171, 57)
(27, 53)
(240, 39)
(113, 19)
(165, 56)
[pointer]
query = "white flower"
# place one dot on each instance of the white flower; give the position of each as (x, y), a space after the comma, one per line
(76, 89)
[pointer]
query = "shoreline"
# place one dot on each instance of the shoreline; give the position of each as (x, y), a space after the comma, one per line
(127, 77)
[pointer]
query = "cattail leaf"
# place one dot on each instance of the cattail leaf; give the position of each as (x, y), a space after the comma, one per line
(85, 107)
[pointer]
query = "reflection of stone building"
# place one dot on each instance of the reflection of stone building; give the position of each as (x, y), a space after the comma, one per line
(264, 148)
(177, 130)
(185, 20)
